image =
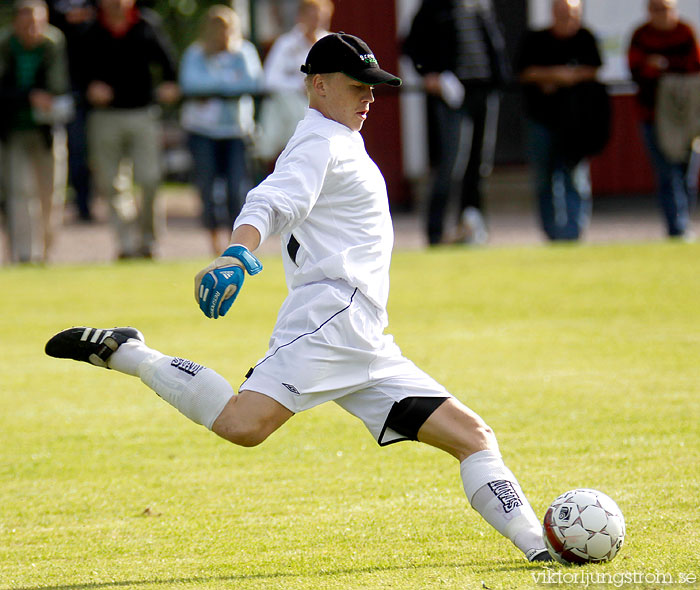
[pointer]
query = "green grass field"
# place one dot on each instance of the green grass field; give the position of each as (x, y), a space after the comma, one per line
(585, 360)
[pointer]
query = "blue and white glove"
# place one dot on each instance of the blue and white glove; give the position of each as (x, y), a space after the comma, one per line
(216, 287)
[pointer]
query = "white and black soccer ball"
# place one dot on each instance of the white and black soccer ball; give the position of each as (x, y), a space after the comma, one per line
(583, 526)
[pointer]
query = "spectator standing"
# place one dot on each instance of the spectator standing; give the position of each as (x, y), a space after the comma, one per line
(218, 74)
(120, 49)
(286, 104)
(664, 45)
(72, 17)
(33, 87)
(558, 67)
(458, 48)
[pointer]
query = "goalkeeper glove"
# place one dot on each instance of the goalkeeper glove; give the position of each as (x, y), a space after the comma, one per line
(216, 287)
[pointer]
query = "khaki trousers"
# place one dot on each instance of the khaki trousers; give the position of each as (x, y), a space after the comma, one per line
(34, 188)
(124, 148)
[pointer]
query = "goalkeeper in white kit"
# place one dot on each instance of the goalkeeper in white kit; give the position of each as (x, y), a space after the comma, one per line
(327, 200)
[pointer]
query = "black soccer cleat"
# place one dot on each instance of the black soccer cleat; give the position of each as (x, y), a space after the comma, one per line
(542, 556)
(90, 345)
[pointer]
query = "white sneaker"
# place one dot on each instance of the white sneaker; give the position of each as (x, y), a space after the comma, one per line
(472, 228)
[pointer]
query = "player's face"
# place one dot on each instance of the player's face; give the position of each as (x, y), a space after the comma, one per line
(346, 100)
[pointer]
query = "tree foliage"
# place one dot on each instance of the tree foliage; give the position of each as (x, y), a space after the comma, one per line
(181, 18)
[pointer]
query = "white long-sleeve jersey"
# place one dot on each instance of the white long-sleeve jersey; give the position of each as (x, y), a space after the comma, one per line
(327, 195)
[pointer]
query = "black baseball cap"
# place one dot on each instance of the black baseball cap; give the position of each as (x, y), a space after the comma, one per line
(350, 55)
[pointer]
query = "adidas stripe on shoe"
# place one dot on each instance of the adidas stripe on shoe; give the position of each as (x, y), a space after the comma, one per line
(90, 345)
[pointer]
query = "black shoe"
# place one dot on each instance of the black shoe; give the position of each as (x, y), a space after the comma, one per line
(90, 345)
(542, 556)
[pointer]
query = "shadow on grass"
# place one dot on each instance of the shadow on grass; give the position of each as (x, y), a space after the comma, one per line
(476, 566)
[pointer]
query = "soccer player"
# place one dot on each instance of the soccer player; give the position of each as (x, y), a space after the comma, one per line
(328, 201)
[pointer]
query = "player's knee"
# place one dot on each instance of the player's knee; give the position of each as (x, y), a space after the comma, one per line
(483, 436)
(243, 435)
(476, 435)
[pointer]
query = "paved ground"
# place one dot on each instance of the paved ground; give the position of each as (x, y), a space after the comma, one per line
(512, 220)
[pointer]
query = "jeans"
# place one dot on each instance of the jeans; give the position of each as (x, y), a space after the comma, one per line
(562, 188)
(671, 184)
(480, 109)
(223, 159)
(78, 167)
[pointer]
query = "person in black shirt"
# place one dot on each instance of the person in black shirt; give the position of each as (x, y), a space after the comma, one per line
(120, 50)
(554, 64)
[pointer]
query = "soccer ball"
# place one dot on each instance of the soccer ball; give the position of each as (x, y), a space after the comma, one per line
(583, 526)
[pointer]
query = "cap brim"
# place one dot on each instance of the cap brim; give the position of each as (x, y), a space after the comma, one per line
(374, 76)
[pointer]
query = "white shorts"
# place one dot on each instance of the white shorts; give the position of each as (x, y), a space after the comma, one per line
(329, 345)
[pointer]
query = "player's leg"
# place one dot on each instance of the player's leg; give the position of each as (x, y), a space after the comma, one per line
(249, 418)
(200, 393)
(457, 430)
(491, 488)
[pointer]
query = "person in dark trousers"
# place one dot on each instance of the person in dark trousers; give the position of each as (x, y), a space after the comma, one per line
(73, 17)
(555, 65)
(459, 50)
(664, 45)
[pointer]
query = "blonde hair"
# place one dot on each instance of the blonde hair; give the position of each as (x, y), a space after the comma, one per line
(221, 14)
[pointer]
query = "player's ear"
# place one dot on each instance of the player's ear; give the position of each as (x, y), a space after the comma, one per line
(319, 84)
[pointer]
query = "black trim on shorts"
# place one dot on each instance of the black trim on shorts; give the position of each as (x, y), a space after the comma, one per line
(407, 416)
(250, 371)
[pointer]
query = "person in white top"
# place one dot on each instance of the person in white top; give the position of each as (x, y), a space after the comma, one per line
(328, 201)
(286, 102)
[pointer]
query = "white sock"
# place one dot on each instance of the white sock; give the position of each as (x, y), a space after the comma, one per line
(128, 357)
(196, 391)
(493, 492)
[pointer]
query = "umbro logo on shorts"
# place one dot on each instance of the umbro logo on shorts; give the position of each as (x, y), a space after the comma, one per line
(291, 388)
